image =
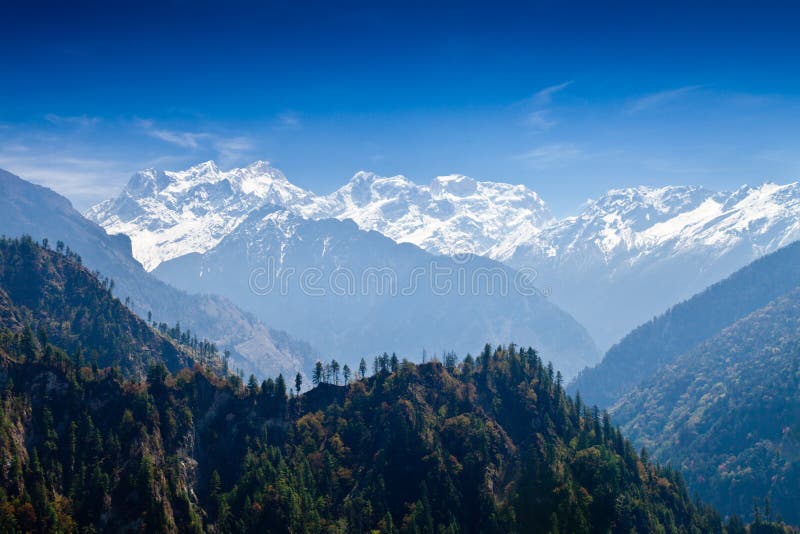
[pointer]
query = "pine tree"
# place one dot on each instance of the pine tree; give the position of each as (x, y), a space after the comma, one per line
(280, 388)
(252, 386)
(335, 371)
(346, 374)
(298, 383)
(316, 375)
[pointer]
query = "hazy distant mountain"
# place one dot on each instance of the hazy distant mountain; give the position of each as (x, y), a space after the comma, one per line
(353, 293)
(726, 413)
(634, 251)
(648, 348)
(30, 209)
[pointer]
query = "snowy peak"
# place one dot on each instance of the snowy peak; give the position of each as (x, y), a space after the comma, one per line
(627, 226)
(664, 200)
(635, 209)
(454, 185)
(454, 214)
(168, 214)
(258, 179)
(365, 188)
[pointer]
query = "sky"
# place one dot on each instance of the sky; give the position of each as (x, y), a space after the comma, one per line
(568, 98)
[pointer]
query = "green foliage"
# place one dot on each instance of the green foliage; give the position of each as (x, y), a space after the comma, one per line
(50, 293)
(421, 449)
(726, 413)
(659, 342)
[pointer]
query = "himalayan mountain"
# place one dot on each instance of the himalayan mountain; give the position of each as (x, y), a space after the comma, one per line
(633, 251)
(29, 209)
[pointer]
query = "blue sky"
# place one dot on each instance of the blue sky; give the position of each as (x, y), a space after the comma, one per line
(569, 98)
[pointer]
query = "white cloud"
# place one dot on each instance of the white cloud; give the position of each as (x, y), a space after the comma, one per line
(535, 108)
(81, 121)
(84, 181)
(540, 120)
(175, 137)
(232, 149)
(660, 98)
(184, 139)
(290, 120)
(544, 96)
(551, 155)
(228, 149)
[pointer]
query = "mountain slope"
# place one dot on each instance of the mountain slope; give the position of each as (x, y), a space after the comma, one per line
(53, 295)
(29, 209)
(727, 413)
(492, 445)
(354, 293)
(657, 343)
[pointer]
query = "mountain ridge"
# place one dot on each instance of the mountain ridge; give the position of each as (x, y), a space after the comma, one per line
(657, 343)
(725, 412)
(636, 250)
(26, 208)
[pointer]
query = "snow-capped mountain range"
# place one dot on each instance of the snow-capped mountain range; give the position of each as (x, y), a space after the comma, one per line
(609, 252)
(168, 214)
(626, 226)
(632, 253)
(454, 214)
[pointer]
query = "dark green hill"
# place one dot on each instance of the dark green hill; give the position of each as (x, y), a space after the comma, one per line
(46, 295)
(727, 413)
(659, 342)
(489, 446)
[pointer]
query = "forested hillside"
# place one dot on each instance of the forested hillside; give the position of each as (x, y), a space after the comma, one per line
(47, 295)
(727, 413)
(489, 446)
(657, 343)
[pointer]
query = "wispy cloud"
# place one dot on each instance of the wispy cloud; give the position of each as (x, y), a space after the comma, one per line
(83, 180)
(541, 120)
(66, 158)
(660, 98)
(81, 121)
(536, 113)
(183, 139)
(544, 97)
(228, 149)
(233, 149)
(551, 155)
(289, 120)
